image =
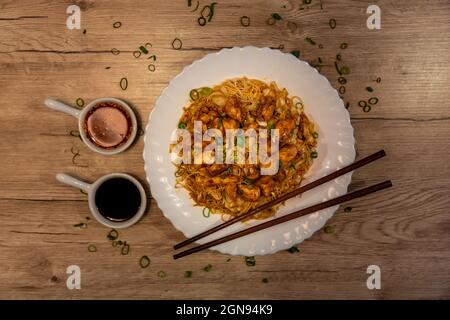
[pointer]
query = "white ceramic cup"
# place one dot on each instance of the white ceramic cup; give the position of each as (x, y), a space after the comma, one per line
(81, 116)
(91, 189)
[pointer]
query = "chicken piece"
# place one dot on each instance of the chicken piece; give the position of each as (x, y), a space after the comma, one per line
(233, 109)
(231, 191)
(267, 111)
(266, 184)
(287, 153)
(216, 169)
(225, 180)
(250, 192)
(285, 127)
(251, 172)
(230, 124)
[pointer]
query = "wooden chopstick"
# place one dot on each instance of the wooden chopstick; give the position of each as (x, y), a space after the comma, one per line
(309, 186)
(288, 217)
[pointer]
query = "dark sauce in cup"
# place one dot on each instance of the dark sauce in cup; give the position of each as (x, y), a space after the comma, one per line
(108, 125)
(118, 199)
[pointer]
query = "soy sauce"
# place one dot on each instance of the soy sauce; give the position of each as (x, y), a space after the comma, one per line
(118, 199)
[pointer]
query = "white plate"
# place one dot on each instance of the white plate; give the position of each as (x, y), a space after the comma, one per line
(322, 105)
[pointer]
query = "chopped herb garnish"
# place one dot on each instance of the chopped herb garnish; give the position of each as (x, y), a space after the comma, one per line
(143, 49)
(204, 91)
(344, 46)
(338, 57)
(342, 80)
(117, 24)
(245, 21)
(332, 23)
(314, 154)
(276, 16)
(206, 212)
(265, 280)
(80, 102)
(311, 41)
(250, 261)
(337, 68)
(367, 108)
(201, 21)
(137, 54)
(189, 3)
(307, 1)
(194, 94)
(347, 105)
(328, 229)
(320, 60)
(188, 274)
(81, 225)
(177, 44)
(144, 262)
(152, 57)
(151, 67)
(369, 89)
(373, 100)
(115, 243)
(182, 125)
(348, 209)
(229, 259)
(345, 70)
(296, 53)
(341, 89)
(315, 135)
(125, 249)
(115, 51)
(161, 274)
(124, 83)
(293, 249)
(362, 103)
(84, 31)
(92, 248)
(378, 80)
(113, 235)
(207, 268)
(108, 68)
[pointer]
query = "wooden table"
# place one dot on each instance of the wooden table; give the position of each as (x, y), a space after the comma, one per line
(405, 230)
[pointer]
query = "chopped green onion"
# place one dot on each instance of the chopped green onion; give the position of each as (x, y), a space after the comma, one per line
(206, 212)
(362, 103)
(276, 16)
(182, 125)
(296, 53)
(347, 105)
(194, 94)
(345, 70)
(207, 268)
(315, 135)
(348, 209)
(113, 235)
(229, 259)
(124, 83)
(204, 91)
(250, 261)
(338, 57)
(341, 89)
(265, 280)
(344, 46)
(188, 274)
(367, 108)
(293, 249)
(177, 44)
(314, 154)
(342, 80)
(79, 102)
(152, 57)
(328, 229)
(245, 21)
(117, 24)
(373, 100)
(332, 23)
(115, 243)
(81, 225)
(311, 41)
(144, 262)
(189, 3)
(319, 59)
(92, 248)
(307, 1)
(378, 80)
(137, 54)
(151, 67)
(125, 249)
(369, 89)
(115, 51)
(201, 21)
(161, 274)
(143, 49)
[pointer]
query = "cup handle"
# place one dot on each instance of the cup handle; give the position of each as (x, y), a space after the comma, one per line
(59, 106)
(73, 182)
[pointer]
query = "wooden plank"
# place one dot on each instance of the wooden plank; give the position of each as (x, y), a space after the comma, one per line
(404, 230)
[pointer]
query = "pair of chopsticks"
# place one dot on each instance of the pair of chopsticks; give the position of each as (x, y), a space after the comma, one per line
(288, 217)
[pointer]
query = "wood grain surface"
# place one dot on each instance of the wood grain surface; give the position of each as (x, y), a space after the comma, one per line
(405, 230)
